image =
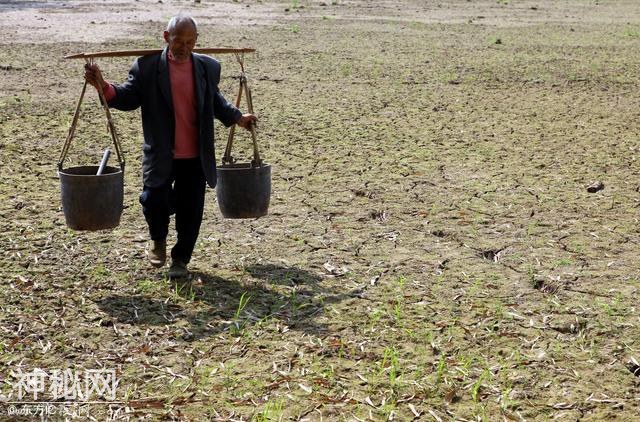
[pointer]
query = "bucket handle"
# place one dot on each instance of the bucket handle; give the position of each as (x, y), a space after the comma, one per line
(111, 127)
(244, 86)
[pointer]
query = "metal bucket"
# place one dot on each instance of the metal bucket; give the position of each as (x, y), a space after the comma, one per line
(91, 202)
(243, 190)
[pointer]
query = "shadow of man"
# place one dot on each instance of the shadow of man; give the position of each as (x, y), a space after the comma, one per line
(292, 296)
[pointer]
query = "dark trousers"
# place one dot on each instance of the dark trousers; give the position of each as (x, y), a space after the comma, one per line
(183, 194)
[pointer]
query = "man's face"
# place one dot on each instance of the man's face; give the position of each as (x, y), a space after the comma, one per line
(181, 41)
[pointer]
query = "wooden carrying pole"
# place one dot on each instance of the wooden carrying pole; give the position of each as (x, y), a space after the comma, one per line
(124, 53)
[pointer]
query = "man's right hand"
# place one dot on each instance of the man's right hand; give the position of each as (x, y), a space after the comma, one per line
(93, 75)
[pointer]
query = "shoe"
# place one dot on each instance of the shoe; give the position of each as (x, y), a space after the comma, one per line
(178, 269)
(157, 253)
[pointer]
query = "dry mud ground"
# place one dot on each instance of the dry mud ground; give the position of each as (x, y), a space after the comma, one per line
(431, 251)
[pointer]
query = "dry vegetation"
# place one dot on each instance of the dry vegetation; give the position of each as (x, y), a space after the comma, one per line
(431, 252)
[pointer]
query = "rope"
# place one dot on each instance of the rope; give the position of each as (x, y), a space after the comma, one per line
(227, 158)
(74, 124)
(110, 125)
(72, 129)
(257, 162)
(240, 60)
(244, 86)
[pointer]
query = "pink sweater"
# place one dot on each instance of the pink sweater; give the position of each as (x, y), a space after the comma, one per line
(184, 108)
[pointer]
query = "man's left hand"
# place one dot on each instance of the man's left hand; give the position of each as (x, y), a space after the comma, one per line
(247, 120)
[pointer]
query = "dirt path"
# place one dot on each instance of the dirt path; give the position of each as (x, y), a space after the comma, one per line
(51, 21)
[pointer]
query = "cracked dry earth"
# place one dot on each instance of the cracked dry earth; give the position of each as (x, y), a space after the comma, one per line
(431, 251)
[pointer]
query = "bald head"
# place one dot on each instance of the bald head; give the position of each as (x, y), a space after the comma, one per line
(180, 22)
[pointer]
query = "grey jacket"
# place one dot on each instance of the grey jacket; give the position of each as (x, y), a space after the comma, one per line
(148, 86)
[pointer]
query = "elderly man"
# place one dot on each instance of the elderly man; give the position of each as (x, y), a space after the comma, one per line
(177, 91)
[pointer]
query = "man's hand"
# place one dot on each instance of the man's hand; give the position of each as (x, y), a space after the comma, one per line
(93, 75)
(247, 120)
